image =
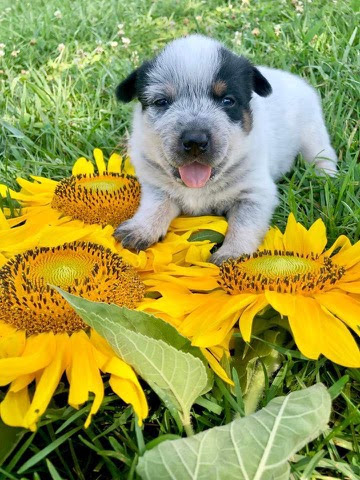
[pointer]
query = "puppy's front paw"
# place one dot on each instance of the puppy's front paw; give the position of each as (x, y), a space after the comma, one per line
(227, 252)
(135, 236)
(221, 256)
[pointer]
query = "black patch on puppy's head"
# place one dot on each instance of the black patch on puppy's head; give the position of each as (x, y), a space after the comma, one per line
(239, 79)
(134, 85)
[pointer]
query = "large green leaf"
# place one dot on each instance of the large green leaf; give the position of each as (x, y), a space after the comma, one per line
(154, 348)
(256, 447)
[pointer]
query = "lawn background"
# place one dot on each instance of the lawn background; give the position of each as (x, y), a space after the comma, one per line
(58, 70)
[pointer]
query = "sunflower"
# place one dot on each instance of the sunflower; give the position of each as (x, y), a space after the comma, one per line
(316, 289)
(41, 337)
(87, 195)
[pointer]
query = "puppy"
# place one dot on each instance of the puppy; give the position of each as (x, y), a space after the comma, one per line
(210, 135)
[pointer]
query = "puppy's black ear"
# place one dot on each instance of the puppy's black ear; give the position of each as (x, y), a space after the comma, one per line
(260, 85)
(126, 90)
(134, 85)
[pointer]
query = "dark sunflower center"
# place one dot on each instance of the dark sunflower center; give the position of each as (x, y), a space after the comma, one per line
(285, 272)
(106, 199)
(28, 302)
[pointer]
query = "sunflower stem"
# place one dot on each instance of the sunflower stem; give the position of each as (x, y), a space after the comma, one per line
(264, 370)
(186, 421)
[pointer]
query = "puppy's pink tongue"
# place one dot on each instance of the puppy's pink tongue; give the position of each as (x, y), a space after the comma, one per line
(195, 175)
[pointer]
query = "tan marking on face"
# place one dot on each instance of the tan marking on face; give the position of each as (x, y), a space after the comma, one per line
(219, 88)
(247, 121)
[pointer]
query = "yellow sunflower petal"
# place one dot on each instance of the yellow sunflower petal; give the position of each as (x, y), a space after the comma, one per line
(36, 188)
(6, 329)
(83, 375)
(273, 240)
(23, 381)
(337, 343)
(215, 365)
(193, 224)
(349, 256)
(315, 238)
(49, 380)
(343, 306)
(128, 167)
(131, 393)
(12, 345)
(215, 336)
(48, 182)
(197, 284)
(306, 327)
(3, 259)
(4, 225)
(351, 287)
(247, 316)
(203, 315)
(99, 159)
(14, 407)
(341, 242)
(82, 166)
(125, 384)
(115, 163)
(198, 254)
(283, 303)
(5, 191)
(294, 236)
(36, 355)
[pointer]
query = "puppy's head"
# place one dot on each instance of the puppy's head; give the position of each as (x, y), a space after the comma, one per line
(195, 98)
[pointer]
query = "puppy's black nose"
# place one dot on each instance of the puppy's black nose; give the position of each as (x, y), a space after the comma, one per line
(195, 142)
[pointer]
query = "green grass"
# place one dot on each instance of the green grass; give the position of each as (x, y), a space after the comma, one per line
(56, 106)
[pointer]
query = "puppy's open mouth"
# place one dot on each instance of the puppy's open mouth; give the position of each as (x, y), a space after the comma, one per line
(195, 175)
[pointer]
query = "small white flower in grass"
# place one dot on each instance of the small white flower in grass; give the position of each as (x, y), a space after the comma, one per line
(99, 50)
(24, 72)
(15, 53)
(135, 57)
(277, 29)
(58, 14)
(2, 53)
(33, 41)
(126, 41)
(2, 46)
(114, 44)
(198, 18)
(255, 32)
(237, 38)
(61, 47)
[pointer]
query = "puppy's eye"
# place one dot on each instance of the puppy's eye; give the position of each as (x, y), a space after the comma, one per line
(228, 101)
(162, 102)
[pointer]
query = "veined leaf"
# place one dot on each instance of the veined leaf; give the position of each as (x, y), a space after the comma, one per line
(160, 355)
(256, 447)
